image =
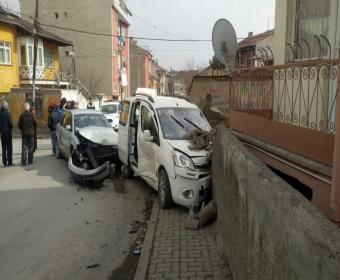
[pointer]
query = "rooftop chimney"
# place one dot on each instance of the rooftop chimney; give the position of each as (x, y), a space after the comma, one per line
(250, 34)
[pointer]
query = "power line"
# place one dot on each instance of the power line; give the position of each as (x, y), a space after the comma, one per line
(126, 37)
(159, 28)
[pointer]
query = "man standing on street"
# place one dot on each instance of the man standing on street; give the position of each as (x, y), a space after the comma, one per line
(6, 125)
(52, 123)
(27, 125)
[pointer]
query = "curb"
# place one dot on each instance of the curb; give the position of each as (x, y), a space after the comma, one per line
(142, 267)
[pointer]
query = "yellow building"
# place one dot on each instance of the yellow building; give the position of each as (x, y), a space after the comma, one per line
(16, 65)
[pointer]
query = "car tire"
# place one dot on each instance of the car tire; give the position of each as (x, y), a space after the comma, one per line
(127, 171)
(164, 190)
(58, 152)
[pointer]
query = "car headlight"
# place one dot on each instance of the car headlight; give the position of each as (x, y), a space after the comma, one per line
(181, 160)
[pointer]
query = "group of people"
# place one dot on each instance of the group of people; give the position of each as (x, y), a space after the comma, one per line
(27, 124)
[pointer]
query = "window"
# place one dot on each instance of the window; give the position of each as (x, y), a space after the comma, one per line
(148, 122)
(23, 59)
(5, 53)
(308, 18)
(124, 115)
(30, 56)
(48, 58)
(40, 61)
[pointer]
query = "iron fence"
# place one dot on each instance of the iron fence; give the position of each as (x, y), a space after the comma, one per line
(301, 94)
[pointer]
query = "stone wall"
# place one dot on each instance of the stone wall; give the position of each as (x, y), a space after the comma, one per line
(266, 228)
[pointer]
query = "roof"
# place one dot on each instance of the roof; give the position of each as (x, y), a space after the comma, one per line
(26, 26)
(167, 102)
(254, 40)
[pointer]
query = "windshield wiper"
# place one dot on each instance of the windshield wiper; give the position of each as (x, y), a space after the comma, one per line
(177, 121)
(193, 124)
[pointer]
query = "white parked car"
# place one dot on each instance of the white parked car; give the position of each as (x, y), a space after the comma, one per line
(111, 111)
(86, 138)
(151, 145)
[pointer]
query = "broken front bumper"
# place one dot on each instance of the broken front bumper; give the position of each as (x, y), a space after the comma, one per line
(81, 175)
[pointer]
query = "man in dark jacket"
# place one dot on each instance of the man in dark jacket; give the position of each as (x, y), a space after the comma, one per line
(52, 123)
(27, 124)
(6, 125)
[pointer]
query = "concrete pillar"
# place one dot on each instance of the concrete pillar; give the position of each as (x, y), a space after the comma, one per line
(335, 188)
(281, 12)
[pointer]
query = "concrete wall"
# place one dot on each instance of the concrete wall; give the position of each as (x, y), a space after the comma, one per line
(281, 10)
(267, 229)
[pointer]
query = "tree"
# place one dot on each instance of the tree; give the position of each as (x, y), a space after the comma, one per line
(216, 64)
(190, 64)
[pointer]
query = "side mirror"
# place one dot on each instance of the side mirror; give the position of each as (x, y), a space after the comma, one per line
(147, 136)
(68, 127)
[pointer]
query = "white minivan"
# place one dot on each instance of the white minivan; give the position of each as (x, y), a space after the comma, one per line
(151, 145)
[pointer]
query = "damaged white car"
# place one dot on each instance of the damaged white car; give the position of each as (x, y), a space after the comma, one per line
(153, 143)
(86, 138)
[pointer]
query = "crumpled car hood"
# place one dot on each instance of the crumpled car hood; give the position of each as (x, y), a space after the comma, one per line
(183, 145)
(100, 135)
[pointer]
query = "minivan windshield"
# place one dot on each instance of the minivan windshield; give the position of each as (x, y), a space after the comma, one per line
(178, 122)
(110, 109)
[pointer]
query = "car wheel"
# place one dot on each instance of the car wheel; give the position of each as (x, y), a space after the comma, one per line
(164, 190)
(118, 165)
(58, 152)
(127, 171)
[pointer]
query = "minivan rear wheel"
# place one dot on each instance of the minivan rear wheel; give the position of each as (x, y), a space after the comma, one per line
(164, 190)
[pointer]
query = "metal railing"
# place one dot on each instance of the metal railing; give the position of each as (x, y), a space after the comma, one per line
(301, 93)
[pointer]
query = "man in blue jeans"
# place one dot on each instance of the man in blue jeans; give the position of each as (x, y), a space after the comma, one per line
(27, 125)
(52, 123)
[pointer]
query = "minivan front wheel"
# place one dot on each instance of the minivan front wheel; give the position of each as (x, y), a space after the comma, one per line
(164, 190)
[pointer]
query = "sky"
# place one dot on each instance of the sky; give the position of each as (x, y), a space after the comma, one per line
(190, 19)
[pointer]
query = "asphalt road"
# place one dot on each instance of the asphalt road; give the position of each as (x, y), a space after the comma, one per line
(51, 228)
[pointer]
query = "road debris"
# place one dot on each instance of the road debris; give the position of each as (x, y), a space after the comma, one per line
(134, 227)
(93, 265)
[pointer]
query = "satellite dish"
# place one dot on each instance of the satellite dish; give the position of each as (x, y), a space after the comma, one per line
(225, 43)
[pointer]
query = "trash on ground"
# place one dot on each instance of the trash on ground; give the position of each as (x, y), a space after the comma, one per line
(93, 265)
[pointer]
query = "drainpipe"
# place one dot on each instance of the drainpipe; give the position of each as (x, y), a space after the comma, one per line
(335, 187)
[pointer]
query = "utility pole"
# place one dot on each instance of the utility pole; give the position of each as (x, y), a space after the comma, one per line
(35, 47)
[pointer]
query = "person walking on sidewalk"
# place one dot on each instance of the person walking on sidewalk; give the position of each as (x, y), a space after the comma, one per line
(6, 125)
(27, 125)
(52, 123)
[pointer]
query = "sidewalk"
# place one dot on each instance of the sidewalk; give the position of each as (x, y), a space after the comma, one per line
(178, 253)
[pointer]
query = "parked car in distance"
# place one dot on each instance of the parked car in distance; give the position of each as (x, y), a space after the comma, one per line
(111, 111)
(86, 138)
(151, 145)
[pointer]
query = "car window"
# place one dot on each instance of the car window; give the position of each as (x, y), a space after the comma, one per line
(147, 122)
(176, 123)
(86, 120)
(135, 115)
(125, 113)
(67, 119)
(109, 109)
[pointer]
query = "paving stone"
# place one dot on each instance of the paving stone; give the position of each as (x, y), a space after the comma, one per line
(178, 253)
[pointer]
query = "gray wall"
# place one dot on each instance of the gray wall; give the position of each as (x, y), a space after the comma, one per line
(137, 67)
(93, 53)
(267, 229)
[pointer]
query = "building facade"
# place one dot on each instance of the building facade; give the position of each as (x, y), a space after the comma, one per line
(16, 65)
(100, 62)
(256, 50)
(298, 22)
